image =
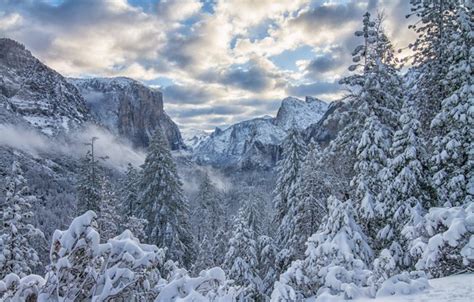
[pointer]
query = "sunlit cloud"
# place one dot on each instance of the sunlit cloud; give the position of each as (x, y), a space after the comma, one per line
(204, 54)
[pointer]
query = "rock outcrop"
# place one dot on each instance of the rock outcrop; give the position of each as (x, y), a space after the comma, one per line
(129, 109)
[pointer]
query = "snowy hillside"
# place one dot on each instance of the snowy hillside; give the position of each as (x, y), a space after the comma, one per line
(37, 93)
(256, 142)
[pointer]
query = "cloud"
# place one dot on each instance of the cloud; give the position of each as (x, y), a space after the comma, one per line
(35, 143)
(216, 53)
(253, 79)
(313, 89)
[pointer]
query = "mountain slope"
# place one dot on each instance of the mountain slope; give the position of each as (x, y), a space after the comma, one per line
(129, 109)
(38, 94)
(256, 142)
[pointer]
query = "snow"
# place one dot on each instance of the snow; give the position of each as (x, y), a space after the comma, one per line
(458, 288)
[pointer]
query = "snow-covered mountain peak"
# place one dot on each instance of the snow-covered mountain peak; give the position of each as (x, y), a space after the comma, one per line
(301, 114)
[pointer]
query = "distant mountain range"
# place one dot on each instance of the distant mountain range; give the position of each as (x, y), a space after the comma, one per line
(35, 96)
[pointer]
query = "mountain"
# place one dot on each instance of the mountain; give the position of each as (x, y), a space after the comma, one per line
(256, 142)
(294, 112)
(129, 109)
(193, 137)
(31, 91)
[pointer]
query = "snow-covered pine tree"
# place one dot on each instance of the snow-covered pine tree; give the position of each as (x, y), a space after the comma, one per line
(267, 253)
(109, 219)
(220, 247)
(454, 123)
(129, 191)
(408, 193)
(17, 254)
(434, 27)
(88, 188)
(294, 152)
(309, 207)
(377, 93)
(336, 260)
(163, 205)
(204, 258)
(129, 204)
(209, 210)
(241, 260)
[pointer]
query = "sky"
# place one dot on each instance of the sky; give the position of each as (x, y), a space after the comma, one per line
(216, 62)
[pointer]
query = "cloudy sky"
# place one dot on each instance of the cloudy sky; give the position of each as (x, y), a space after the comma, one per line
(217, 62)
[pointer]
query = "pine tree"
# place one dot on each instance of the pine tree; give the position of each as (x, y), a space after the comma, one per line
(129, 204)
(241, 260)
(310, 202)
(209, 210)
(267, 253)
(89, 185)
(17, 254)
(163, 204)
(431, 48)
(109, 219)
(454, 123)
(376, 92)
(407, 195)
(336, 259)
(129, 191)
(294, 151)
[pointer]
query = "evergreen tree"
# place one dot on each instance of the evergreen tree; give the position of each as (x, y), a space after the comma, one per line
(336, 259)
(310, 202)
(89, 185)
(267, 253)
(407, 195)
(129, 204)
(376, 92)
(129, 191)
(220, 247)
(109, 219)
(241, 260)
(294, 151)
(431, 48)
(454, 123)
(163, 204)
(17, 254)
(209, 210)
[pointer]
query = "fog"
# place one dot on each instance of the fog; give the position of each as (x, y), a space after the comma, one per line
(118, 151)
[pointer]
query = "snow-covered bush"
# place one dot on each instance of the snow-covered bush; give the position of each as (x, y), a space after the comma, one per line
(82, 268)
(14, 288)
(404, 284)
(447, 243)
(210, 285)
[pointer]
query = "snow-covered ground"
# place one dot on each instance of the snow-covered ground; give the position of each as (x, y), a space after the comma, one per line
(458, 288)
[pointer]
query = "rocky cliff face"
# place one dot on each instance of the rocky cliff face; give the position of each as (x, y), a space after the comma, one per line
(129, 109)
(39, 95)
(257, 142)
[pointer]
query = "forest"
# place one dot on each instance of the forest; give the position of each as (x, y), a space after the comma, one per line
(381, 209)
